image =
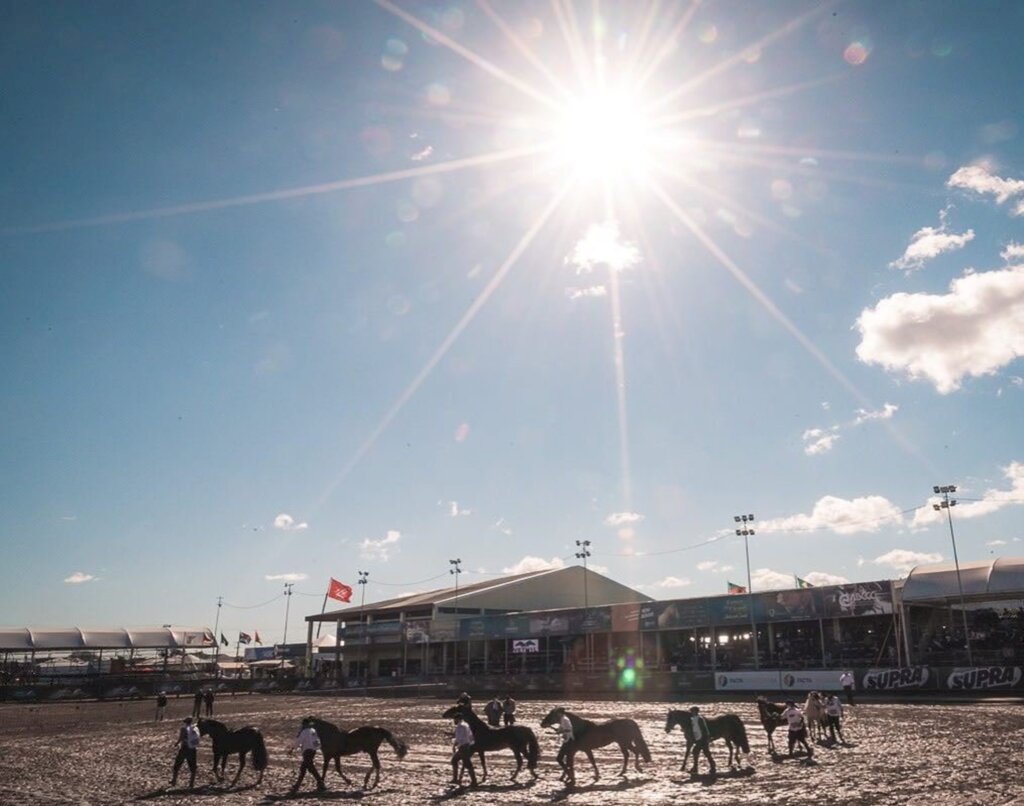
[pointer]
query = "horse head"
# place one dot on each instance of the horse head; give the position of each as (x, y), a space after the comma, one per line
(211, 727)
(553, 718)
(454, 711)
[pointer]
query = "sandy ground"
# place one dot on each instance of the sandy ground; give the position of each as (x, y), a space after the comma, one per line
(925, 755)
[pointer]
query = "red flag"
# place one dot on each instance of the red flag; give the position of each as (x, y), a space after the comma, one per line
(339, 590)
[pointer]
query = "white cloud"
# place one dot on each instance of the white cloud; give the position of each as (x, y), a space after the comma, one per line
(502, 526)
(994, 543)
(290, 577)
(903, 560)
(1012, 251)
(713, 566)
(991, 500)
(974, 330)
(574, 292)
(380, 549)
(530, 563)
(820, 440)
(602, 245)
(79, 577)
(980, 179)
(885, 413)
(287, 523)
(454, 511)
(670, 582)
(823, 578)
(928, 243)
(623, 518)
(842, 516)
(767, 579)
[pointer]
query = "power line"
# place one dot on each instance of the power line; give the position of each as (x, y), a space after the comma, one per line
(253, 607)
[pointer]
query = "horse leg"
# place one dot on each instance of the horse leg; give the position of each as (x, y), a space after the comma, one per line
(625, 759)
(728, 743)
(375, 768)
(241, 766)
(483, 767)
(519, 762)
(686, 754)
(593, 763)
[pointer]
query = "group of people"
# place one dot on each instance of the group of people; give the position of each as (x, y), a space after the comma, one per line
(498, 709)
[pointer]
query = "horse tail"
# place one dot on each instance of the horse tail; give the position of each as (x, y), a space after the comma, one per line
(400, 747)
(532, 750)
(741, 737)
(640, 746)
(259, 753)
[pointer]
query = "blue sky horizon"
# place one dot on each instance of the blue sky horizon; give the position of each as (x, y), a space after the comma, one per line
(296, 292)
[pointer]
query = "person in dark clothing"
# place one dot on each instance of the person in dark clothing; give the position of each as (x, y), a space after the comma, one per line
(208, 701)
(464, 699)
(509, 710)
(493, 711)
(187, 744)
(308, 742)
(197, 704)
(161, 706)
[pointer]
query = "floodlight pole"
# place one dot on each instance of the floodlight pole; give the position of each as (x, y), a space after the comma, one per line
(947, 504)
(216, 638)
(287, 606)
(746, 531)
(456, 569)
(363, 576)
(582, 554)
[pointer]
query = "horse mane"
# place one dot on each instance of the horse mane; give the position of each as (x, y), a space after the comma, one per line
(325, 728)
(219, 727)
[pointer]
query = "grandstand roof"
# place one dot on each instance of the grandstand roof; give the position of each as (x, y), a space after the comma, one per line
(995, 579)
(28, 639)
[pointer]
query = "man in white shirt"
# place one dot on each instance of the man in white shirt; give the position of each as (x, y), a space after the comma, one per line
(834, 714)
(187, 744)
(508, 707)
(847, 681)
(308, 742)
(797, 728)
(462, 753)
(701, 740)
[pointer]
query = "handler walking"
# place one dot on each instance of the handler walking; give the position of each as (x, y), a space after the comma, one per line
(187, 744)
(701, 740)
(847, 681)
(161, 705)
(797, 728)
(508, 707)
(834, 714)
(462, 753)
(565, 730)
(308, 742)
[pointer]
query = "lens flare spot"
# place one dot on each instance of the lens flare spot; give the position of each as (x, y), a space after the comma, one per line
(462, 432)
(407, 212)
(708, 34)
(941, 48)
(438, 94)
(376, 140)
(781, 189)
(857, 53)
(453, 19)
(393, 57)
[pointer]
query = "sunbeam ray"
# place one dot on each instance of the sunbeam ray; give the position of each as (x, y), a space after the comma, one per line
(453, 335)
(668, 45)
(573, 44)
(466, 53)
(279, 195)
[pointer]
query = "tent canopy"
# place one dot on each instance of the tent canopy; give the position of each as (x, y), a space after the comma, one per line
(28, 639)
(997, 579)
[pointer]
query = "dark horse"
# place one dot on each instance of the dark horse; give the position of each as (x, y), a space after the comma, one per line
(520, 739)
(335, 743)
(771, 718)
(727, 726)
(227, 741)
(587, 736)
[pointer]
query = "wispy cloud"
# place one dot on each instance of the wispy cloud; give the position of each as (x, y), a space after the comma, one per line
(820, 440)
(994, 543)
(903, 560)
(991, 500)
(980, 179)
(501, 525)
(713, 566)
(80, 577)
(824, 578)
(766, 579)
(602, 245)
(287, 523)
(575, 292)
(974, 330)
(623, 518)
(930, 242)
(670, 583)
(1012, 251)
(380, 549)
(885, 413)
(840, 515)
(454, 510)
(530, 563)
(290, 577)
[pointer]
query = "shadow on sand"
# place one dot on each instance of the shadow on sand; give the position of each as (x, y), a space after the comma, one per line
(457, 791)
(622, 785)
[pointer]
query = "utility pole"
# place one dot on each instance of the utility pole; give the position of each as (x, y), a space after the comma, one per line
(216, 638)
(583, 553)
(363, 576)
(287, 605)
(947, 504)
(456, 569)
(747, 531)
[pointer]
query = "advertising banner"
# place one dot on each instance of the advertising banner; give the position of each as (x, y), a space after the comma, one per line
(680, 615)
(982, 677)
(861, 599)
(811, 681)
(747, 681)
(729, 610)
(473, 628)
(523, 646)
(549, 625)
(905, 677)
(596, 619)
(788, 605)
(625, 617)
(515, 626)
(417, 632)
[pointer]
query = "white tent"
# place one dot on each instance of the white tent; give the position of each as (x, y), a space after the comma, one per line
(991, 580)
(30, 639)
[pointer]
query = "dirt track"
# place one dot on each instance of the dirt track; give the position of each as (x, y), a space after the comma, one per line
(91, 753)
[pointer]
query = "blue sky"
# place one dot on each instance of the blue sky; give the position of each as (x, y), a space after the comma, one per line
(296, 291)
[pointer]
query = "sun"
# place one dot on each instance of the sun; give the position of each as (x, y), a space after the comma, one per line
(606, 135)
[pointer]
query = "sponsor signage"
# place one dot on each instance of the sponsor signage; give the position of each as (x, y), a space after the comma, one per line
(549, 625)
(259, 653)
(678, 615)
(810, 681)
(729, 609)
(896, 679)
(983, 677)
(596, 619)
(788, 605)
(523, 646)
(625, 617)
(747, 681)
(417, 632)
(862, 599)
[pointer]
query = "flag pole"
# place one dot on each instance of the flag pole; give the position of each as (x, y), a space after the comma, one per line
(323, 609)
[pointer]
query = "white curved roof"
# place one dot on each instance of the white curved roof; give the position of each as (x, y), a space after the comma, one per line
(995, 579)
(27, 639)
